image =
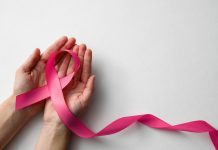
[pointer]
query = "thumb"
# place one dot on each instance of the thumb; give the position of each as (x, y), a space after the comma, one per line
(31, 61)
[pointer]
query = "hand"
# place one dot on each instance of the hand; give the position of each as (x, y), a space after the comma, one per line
(78, 93)
(31, 74)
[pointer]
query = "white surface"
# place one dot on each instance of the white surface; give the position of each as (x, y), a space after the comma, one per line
(158, 57)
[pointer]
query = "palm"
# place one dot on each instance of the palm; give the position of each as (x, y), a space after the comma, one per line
(79, 90)
(25, 81)
(75, 99)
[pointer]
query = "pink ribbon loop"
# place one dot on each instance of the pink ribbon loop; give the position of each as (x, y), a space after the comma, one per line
(54, 89)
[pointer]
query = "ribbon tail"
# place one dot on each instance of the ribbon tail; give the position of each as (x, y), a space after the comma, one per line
(38, 94)
(214, 138)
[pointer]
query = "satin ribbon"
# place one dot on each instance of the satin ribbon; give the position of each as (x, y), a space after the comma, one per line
(54, 89)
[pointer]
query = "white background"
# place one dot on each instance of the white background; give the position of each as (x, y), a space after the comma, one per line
(158, 57)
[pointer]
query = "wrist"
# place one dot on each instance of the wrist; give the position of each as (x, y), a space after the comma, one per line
(12, 120)
(54, 136)
(10, 103)
(29, 111)
(56, 127)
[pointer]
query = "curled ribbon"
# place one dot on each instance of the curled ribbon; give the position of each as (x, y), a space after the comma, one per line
(54, 88)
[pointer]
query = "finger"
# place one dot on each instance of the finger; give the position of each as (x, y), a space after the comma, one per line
(31, 61)
(54, 47)
(88, 91)
(87, 64)
(68, 45)
(62, 71)
(82, 49)
(64, 64)
(71, 64)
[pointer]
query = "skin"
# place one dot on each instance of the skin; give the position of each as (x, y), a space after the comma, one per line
(54, 135)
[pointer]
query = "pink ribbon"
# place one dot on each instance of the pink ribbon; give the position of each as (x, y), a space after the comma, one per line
(54, 88)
